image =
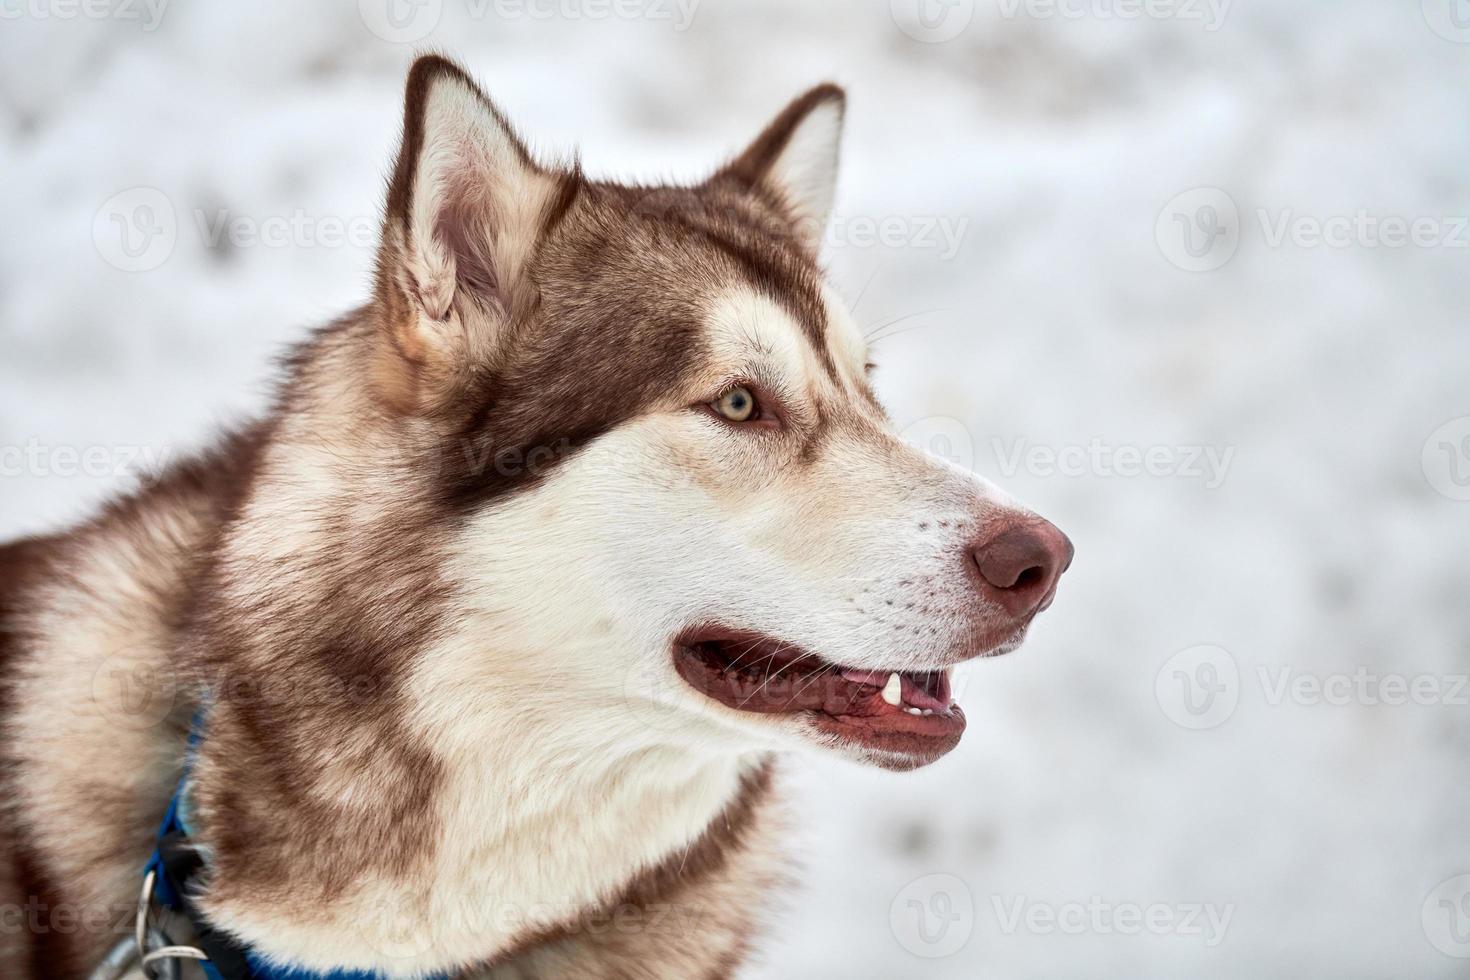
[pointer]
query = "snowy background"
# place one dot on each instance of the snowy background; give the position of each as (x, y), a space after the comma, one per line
(1224, 240)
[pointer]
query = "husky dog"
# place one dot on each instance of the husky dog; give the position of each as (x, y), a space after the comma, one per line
(489, 631)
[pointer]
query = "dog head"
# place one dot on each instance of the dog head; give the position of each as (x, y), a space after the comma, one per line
(677, 505)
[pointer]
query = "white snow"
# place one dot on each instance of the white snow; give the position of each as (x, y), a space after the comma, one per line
(1053, 143)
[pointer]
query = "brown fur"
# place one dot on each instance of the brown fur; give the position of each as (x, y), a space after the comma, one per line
(710, 878)
(304, 651)
(122, 821)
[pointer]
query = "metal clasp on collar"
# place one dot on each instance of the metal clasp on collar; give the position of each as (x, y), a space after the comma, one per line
(149, 948)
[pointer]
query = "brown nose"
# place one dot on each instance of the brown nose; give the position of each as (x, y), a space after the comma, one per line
(1020, 564)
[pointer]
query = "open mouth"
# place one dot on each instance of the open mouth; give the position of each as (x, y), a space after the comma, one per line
(908, 713)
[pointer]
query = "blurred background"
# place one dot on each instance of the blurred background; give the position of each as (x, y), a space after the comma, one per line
(1190, 277)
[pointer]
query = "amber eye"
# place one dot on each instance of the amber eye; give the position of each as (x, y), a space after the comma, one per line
(737, 405)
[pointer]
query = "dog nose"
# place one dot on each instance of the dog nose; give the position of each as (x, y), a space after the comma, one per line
(1020, 564)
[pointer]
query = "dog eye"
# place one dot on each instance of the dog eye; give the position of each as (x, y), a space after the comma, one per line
(737, 405)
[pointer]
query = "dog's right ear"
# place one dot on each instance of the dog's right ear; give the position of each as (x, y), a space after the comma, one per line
(462, 213)
(794, 160)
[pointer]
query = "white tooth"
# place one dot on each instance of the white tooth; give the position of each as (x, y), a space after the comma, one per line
(893, 690)
(912, 711)
(928, 711)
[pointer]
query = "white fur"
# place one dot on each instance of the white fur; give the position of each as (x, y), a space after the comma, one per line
(806, 169)
(574, 754)
(471, 161)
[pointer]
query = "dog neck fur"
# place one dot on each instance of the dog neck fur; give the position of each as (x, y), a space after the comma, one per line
(462, 807)
(443, 727)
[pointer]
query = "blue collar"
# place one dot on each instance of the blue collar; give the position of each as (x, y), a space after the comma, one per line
(174, 864)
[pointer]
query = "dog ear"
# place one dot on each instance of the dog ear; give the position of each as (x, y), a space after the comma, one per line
(794, 160)
(461, 217)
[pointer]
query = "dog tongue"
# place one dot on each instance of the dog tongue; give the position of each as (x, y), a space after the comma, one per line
(876, 678)
(914, 694)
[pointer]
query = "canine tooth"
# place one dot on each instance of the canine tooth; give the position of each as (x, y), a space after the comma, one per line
(893, 690)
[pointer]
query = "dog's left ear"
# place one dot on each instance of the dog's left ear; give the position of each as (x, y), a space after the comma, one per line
(464, 206)
(794, 160)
